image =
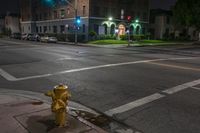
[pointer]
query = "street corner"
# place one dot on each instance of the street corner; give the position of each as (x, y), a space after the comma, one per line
(43, 122)
(22, 113)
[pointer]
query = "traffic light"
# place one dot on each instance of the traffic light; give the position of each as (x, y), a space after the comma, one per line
(48, 3)
(78, 20)
(129, 18)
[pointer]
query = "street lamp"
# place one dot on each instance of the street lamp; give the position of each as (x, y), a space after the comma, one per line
(109, 24)
(110, 18)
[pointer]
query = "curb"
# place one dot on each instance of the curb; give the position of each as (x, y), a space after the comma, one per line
(41, 97)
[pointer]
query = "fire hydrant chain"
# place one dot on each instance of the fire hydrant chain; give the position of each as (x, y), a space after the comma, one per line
(60, 96)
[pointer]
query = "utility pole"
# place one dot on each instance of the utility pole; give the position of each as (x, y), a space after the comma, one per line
(129, 38)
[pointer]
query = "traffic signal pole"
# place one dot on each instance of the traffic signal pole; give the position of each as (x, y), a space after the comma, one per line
(76, 30)
(75, 7)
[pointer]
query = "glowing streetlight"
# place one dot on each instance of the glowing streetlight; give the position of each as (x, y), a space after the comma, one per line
(110, 18)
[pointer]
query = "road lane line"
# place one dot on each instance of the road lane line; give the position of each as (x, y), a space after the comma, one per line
(12, 78)
(151, 98)
(86, 68)
(174, 66)
(196, 88)
(182, 87)
(134, 104)
(7, 75)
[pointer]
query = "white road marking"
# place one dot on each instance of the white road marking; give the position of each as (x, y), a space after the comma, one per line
(196, 88)
(12, 78)
(77, 70)
(182, 87)
(151, 98)
(7, 75)
(134, 104)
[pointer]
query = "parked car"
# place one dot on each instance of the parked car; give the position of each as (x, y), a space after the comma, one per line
(16, 35)
(30, 37)
(48, 39)
(24, 36)
(37, 37)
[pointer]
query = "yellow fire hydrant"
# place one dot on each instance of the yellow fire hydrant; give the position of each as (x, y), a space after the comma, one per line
(60, 96)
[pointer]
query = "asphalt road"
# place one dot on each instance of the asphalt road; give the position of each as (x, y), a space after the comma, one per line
(151, 89)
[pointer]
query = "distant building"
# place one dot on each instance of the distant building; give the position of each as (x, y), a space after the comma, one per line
(9, 22)
(161, 26)
(40, 17)
(2, 24)
(12, 23)
(160, 23)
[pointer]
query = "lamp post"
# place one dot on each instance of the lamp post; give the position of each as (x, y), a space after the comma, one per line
(109, 24)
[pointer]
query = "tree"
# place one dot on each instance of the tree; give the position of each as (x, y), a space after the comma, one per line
(187, 13)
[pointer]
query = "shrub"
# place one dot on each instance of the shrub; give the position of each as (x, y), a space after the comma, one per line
(124, 37)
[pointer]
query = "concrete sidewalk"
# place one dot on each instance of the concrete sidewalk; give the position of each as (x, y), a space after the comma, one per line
(23, 113)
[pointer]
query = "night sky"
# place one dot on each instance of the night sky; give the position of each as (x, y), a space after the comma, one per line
(12, 5)
(164, 4)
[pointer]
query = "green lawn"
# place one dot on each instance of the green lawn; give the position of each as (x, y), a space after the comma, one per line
(107, 42)
(152, 41)
(140, 43)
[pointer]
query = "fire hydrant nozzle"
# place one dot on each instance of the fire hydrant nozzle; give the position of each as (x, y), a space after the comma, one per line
(60, 96)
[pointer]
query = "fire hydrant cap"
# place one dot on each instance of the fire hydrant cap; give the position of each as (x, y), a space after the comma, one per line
(61, 87)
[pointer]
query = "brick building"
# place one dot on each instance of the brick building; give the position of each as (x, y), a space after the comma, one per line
(58, 17)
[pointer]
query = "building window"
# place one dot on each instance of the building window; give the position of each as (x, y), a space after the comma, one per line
(55, 15)
(62, 29)
(37, 29)
(40, 29)
(83, 28)
(96, 28)
(50, 28)
(29, 28)
(68, 11)
(45, 29)
(54, 29)
(40, 17)
(62, 13)
(83, 10)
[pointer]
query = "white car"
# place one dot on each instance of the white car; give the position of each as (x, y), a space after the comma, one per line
(48, 39)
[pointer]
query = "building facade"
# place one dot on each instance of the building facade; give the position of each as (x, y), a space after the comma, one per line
(2, 24)
(161, 26)
(57, 16)
(10, 23)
